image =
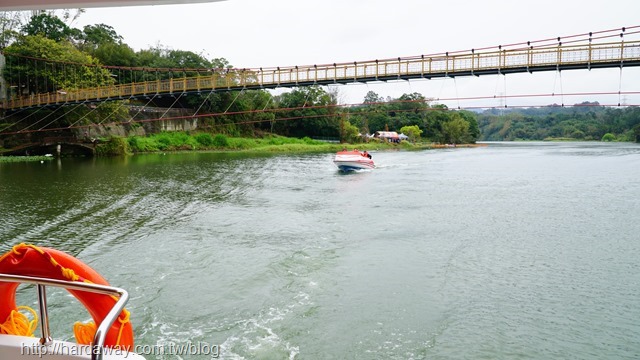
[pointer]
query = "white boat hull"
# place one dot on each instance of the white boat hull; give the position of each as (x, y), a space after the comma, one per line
(352, 160)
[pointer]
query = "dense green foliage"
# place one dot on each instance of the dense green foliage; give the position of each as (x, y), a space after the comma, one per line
(436, 122)
(113, 146)
(313, 113)
(412, 131)
(37, 77)
(586, 121)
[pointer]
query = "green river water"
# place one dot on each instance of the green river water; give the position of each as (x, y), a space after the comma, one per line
(510, 251)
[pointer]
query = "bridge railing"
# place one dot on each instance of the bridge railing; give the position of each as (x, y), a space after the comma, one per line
(460, 64)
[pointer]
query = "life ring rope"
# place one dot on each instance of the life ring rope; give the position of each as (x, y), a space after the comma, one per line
(84, 332)
(18, 323)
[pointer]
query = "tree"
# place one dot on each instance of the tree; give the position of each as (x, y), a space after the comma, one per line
(609, 137)
(261, 100)
(408, 110)
(412, 131)
(94, 36)
(377, 120)
(351, 133)
(36, 76)
(456, 130)
(10, 24)
(187, 59)
(51, 27)
(116, 54)
(474, 129)
(163, 58)
(432, 123)
(310, 113)
(372, 97)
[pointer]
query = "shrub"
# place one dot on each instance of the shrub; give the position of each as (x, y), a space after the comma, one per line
(204, 139)
(191, 143)
(142, 144)
(608, 137)
(275, 141)
(220, 141)
(163, 140)
(241, 143)
(113, 146)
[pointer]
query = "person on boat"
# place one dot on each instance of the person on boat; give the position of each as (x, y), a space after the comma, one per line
(366, 154)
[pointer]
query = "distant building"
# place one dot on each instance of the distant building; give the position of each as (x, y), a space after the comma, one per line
(386, 135)
(391, 136)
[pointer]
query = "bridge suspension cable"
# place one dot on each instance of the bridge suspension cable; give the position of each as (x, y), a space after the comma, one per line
(112, 113)
(37, 122)
(16, 114)
(143, 107)
(62, 116)
(172, 105)
(425, 101)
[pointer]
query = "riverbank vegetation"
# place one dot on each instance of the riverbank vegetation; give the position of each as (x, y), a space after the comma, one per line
(181, 141)
(14, 159)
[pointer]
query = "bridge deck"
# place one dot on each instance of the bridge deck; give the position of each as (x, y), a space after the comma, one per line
(529, 59)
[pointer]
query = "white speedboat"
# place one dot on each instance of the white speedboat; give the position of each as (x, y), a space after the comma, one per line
(353, 160)
(109, 336)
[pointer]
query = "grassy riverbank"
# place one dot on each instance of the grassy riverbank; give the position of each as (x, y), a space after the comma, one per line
(181, 141)
(12, 159)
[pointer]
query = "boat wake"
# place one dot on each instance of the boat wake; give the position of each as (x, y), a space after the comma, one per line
(259, 337)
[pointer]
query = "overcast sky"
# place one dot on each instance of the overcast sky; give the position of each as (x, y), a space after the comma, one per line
(261, 33)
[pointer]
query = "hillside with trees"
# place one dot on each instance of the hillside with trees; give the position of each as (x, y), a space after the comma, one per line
(584, 121)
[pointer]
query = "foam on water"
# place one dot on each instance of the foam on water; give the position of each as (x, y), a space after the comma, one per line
(258, 338)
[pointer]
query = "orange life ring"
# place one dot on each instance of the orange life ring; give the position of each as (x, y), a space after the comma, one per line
(31, 260)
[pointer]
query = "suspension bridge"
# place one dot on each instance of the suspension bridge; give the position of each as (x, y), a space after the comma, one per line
(586, 51)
